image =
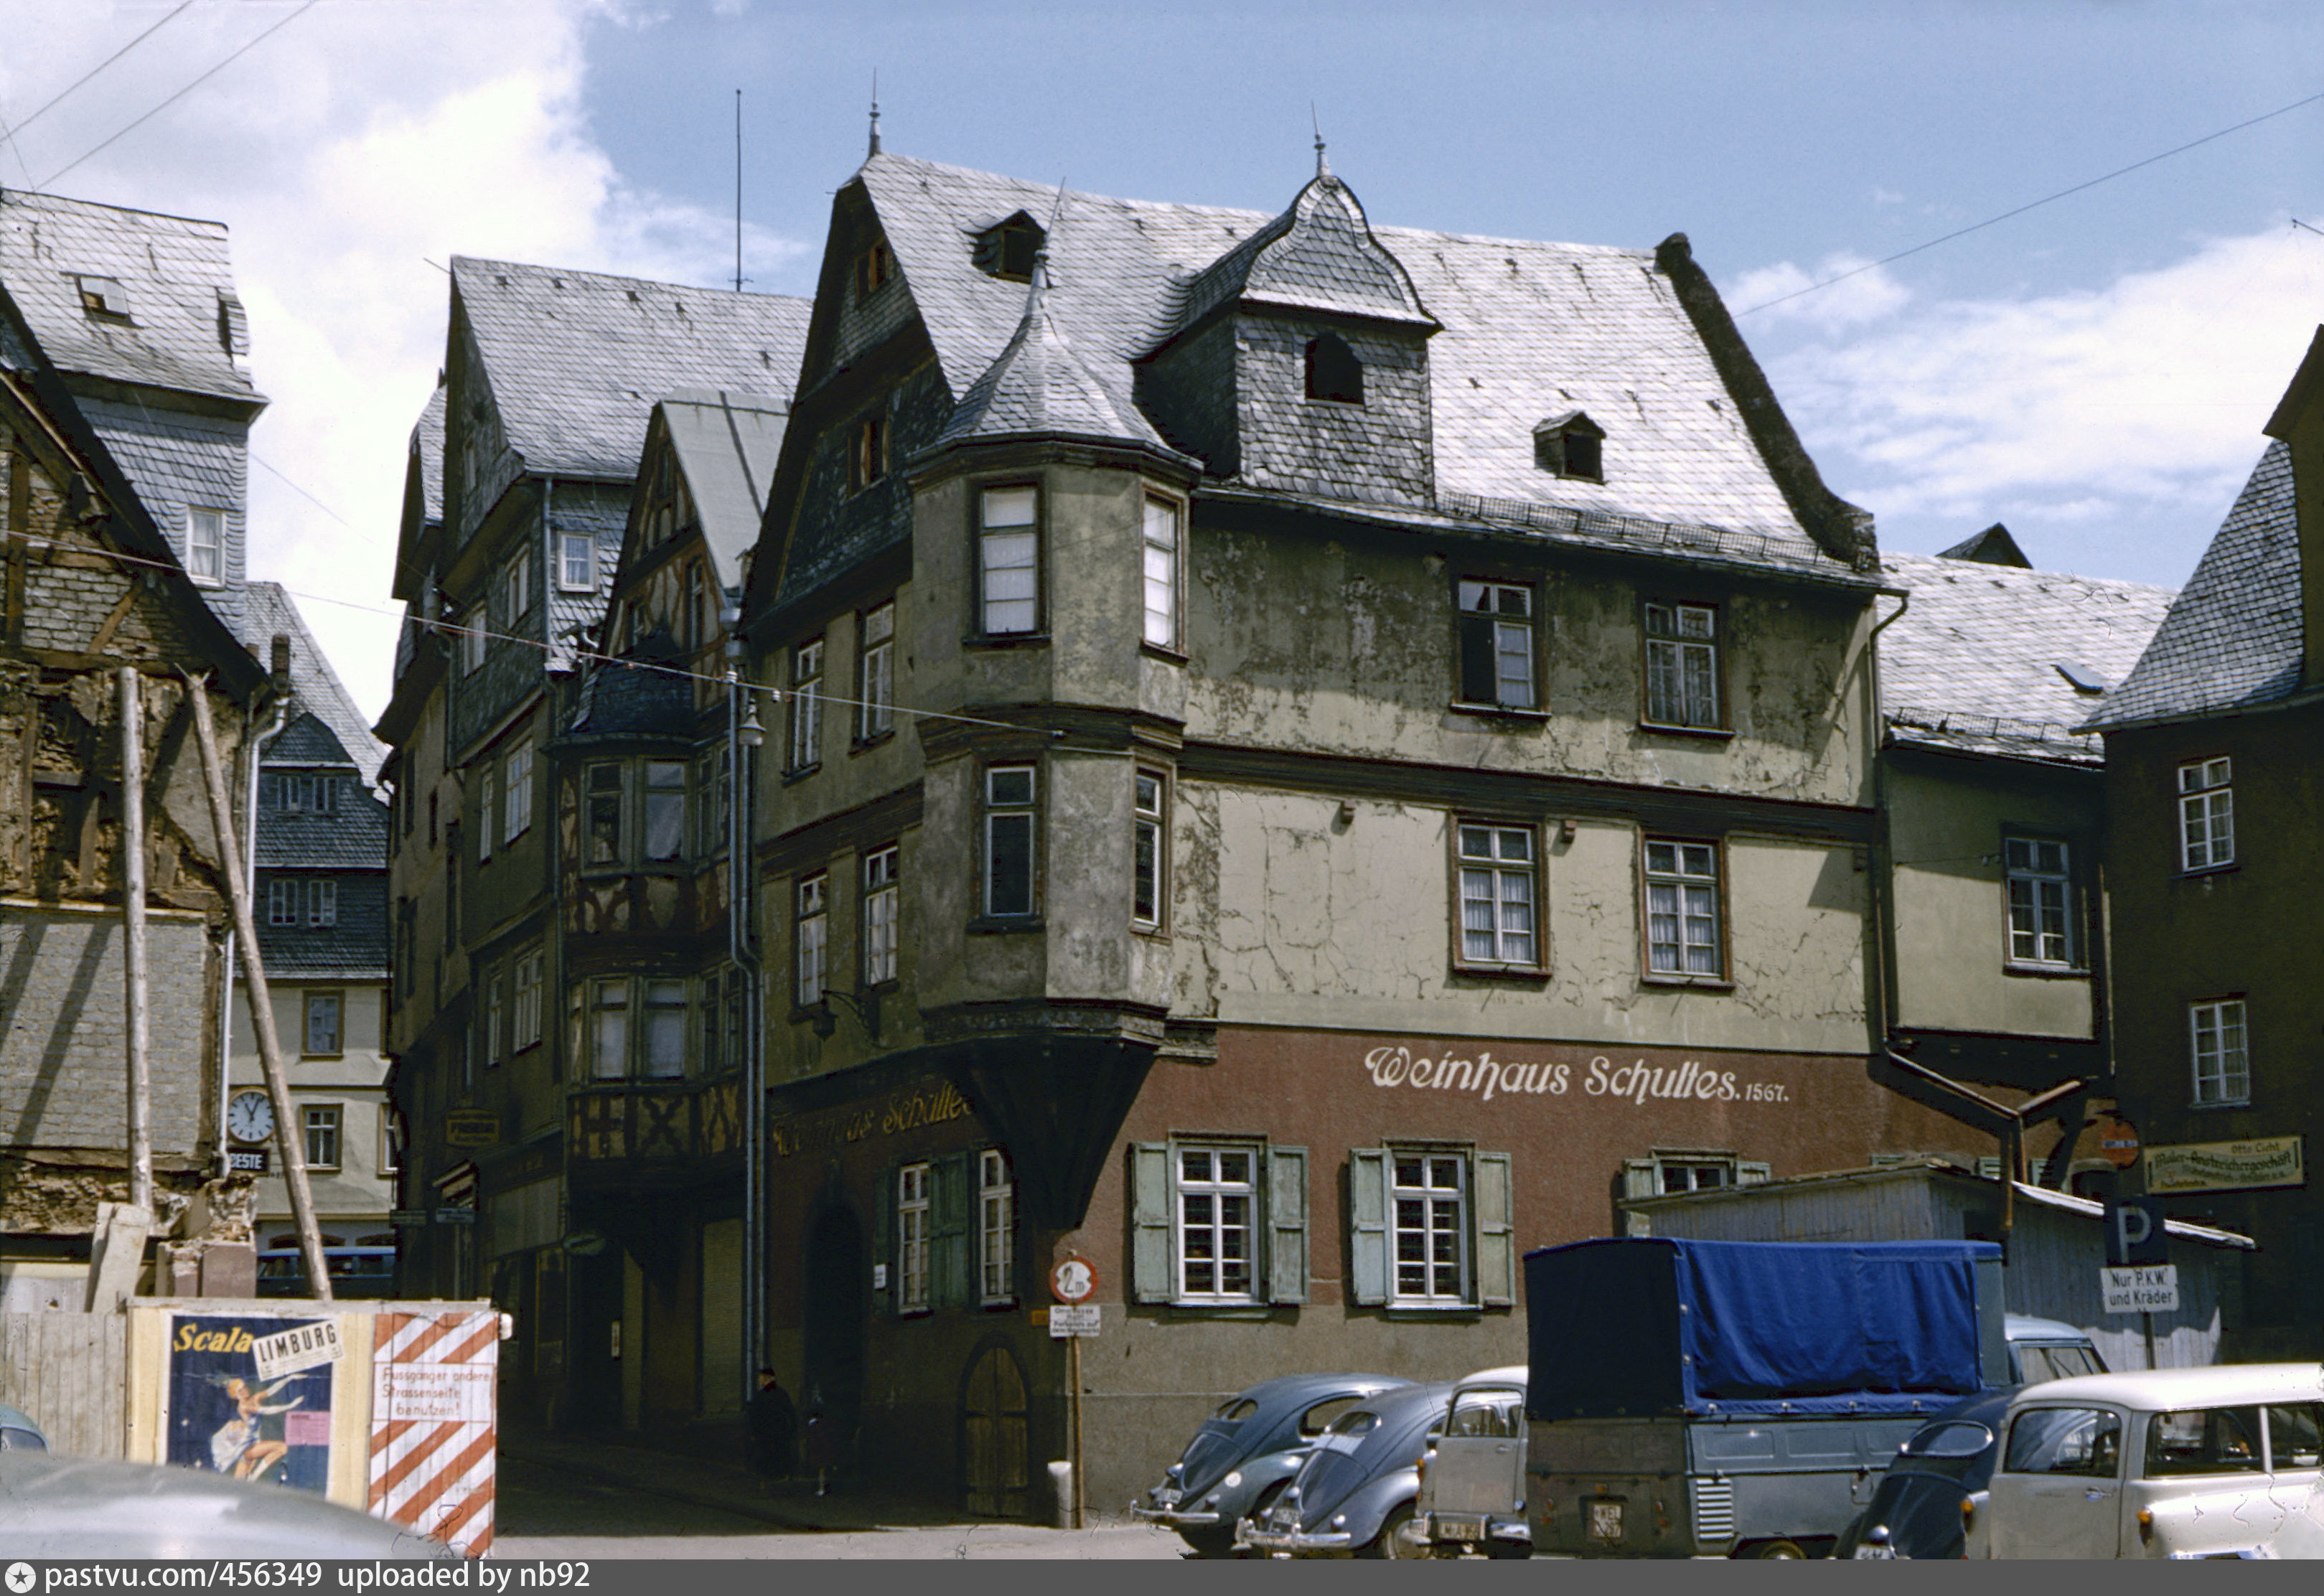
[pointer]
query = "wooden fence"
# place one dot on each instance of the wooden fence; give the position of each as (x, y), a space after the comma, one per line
(70, 1372)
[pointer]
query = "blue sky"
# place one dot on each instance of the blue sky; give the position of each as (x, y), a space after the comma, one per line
(2094, 372)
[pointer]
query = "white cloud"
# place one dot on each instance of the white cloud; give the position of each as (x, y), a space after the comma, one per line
(2139, 401)
(1859, 292)
(346, 152)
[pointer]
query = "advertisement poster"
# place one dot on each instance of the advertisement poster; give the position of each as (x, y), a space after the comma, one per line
(250, 1395)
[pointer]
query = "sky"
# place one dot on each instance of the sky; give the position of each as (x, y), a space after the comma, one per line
(2092, 371)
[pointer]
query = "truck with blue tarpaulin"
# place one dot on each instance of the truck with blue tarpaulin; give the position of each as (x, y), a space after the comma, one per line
(1740, 1398)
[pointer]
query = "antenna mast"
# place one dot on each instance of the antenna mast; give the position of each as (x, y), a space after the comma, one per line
(738, 191)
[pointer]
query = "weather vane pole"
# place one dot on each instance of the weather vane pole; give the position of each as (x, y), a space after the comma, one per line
(738, 191)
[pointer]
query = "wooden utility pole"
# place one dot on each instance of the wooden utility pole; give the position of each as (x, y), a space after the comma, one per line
(132, 914)
(261, 1004)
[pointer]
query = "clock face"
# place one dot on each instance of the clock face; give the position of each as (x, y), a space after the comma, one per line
(250, 1117)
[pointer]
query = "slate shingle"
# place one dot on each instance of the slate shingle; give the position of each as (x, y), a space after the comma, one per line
(727, 443)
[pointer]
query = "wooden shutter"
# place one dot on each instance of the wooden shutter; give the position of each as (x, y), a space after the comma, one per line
(883, 1234)
(1496, 1247)
(950, 1207)
(1367, 1205)
(1641, 1177)
(1287, 1224)
(1153, 1274)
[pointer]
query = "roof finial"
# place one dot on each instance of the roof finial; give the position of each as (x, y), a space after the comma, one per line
(1322, 162)
(1040, 286)
(875, 114)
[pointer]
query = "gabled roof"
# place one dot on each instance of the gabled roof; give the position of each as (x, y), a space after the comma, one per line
(2233, 640)
(726, 443)
(184, 329)
(427, 449)
(1528, 330)
(267, 609)
(306, 743)
(1319, 254)
(576, 359)
(1973, 662)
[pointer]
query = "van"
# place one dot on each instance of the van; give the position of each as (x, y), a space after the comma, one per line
(1472, 1482)
(2167, 1462)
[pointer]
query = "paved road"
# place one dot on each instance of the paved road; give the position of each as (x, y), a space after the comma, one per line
(543, 1512)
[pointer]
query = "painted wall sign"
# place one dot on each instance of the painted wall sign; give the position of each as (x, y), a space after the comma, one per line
(471, 1127)
(2227, 1165)
(1637, 1082)
(898, 1112)
(224, 1413)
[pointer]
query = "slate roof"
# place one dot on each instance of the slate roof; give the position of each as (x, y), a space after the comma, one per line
(576, 359)
(1529, 330)
(1972, 664)
(353, 836)
(2233, 638)
(1319, 254)
(621, 696)
(185, 327)
(726, 443)
(306, 743)
(266, 610)
(428, 444)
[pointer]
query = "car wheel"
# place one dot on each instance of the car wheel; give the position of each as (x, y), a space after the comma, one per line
(1778, 1549)
(1394, 1539)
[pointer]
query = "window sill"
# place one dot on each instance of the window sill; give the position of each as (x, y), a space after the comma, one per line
(1164, 652)
(801, 772)
(997, 1304)
(2204, 1108)
(1516, 718)
(1006, 640)
(1524, 975)
(877, 739)
(1669, 729)
(1427, 1310)
(2229, 868)
(1227, 1309)
(1703, 982)
(998, 924)
(2045, 971)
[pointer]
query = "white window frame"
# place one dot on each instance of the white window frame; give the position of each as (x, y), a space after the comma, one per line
(282, 900)
(1685, 889)
(2206, 813)
(1162, 544)
(333, 1004)
(577, 562)
(1010, 813)
(608, 1018)
(1499, 887)
(996, 1229)
(1009, 560)
(882, 897)
(473, 629)
(516, 794)
(517, 596)
(1507, 608)
(914, 1184)
(875, 673)
(598, 789)
(391, 1142)
(2218, 1041)
(1682, 666)
(2038, 880)
(661, 792)
(321, 1125)
(1218, 1223)
(485, 818)
(526, 1002)
(323, 902)
(664, 1027)
(1423, 1214)
(205, 531)
(806, 705)
(1149, 849)
(812, 932)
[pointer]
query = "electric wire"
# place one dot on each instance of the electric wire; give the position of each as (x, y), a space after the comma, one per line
(93, 70)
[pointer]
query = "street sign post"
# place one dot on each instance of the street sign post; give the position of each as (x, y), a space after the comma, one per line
(1073, 1319)
(2152, 1289)
(1072, 1281)
(2134, 1232)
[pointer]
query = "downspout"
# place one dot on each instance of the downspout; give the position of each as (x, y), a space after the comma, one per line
(252, 752)
(1878, 867)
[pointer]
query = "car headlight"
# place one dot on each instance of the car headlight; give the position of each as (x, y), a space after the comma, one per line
(1231, 1481)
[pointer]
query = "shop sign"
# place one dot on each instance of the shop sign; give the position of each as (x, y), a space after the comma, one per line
(897, 1112)
(251, 1161)
(1636, 1082)
(2225, 1166)
(472, 1127)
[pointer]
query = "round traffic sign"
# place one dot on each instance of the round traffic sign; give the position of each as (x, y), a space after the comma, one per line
(2118, 1139)
(1074, 1279)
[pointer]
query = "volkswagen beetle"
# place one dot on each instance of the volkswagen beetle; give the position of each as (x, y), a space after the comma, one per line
(1354, 1491)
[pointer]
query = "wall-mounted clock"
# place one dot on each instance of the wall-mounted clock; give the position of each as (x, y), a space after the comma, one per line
(250, 1117)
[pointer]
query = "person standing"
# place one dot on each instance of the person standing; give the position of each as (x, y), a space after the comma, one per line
(774, 1428)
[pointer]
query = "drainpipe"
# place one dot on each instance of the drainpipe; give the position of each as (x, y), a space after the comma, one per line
(1878, 866)
(252, 747)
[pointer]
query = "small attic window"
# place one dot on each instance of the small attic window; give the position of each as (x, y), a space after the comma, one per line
(874, 267)
(2084, 680)
(1006, 249)
(233, 326)
(1334, 372)
(103, 297)
(1571, 445)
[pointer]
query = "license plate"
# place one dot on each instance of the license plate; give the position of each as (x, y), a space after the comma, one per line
(1870, 1554)
(1448, 1528)
(1605, 1521)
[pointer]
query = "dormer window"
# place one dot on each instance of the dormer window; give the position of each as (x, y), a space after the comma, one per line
(1571, 445)
(867, 460)
(103, 297)
(1006, 250)
(873, 268)
(1334, 372)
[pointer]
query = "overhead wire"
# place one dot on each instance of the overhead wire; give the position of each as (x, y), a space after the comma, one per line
(93, 70)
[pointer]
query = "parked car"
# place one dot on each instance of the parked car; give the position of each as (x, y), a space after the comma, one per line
(18, 1432)
(1472, 1487)
(1355, 1491)
(1923, 1504)
(76, 1508)
(1247, 1452)
(2168, 1462)
(2048, 1349)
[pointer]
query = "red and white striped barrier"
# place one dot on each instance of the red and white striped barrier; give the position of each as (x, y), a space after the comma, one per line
(433, 1432)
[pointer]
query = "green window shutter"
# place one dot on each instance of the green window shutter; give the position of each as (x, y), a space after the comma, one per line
(1641, 1178)
(1152, 1277)
(1287, 1224)
(1497, 1241)
(1367, 1178)
(949, 1231)
(883, 1233)
(1747, 1172)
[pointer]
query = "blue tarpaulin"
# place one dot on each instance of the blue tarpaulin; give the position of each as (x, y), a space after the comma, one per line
(1656, 1326)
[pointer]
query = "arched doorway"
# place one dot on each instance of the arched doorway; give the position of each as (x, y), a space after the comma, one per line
(834, 1298)
(995, 1451)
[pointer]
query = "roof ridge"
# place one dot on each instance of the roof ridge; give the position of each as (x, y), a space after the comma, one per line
(486, 262)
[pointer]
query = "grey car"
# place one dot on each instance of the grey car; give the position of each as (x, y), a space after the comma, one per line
(74, 1507)
(1246, 1452)
(1354, 1492)
(18, 1432)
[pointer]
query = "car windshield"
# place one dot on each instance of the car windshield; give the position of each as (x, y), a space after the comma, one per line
(2037, 1362)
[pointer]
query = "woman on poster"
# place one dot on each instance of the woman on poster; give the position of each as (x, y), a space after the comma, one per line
(242, 1447)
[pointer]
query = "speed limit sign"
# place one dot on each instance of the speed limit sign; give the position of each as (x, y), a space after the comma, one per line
(1073, 1279)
